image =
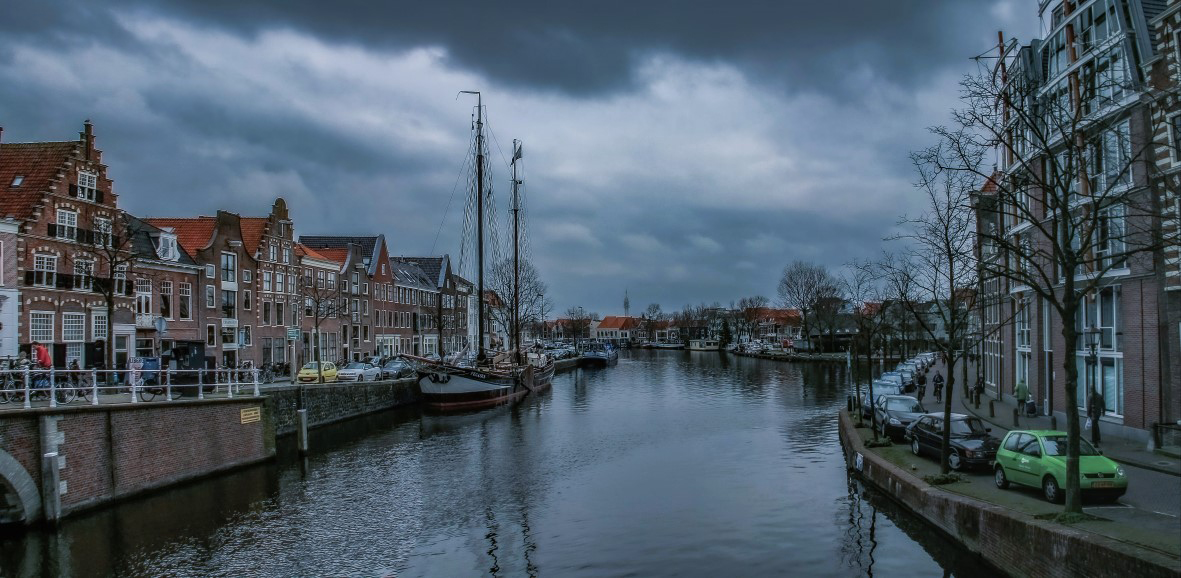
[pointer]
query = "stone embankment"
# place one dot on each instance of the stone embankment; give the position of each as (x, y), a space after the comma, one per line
(785, 356)
(1012, 541)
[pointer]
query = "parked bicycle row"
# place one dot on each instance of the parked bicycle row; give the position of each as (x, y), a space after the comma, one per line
(64, 386)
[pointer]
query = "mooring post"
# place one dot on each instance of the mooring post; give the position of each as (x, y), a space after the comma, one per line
(303, 431)
(200, 384)
(1053, 422)
(1015, 414)
(991, 408)
(51, 500)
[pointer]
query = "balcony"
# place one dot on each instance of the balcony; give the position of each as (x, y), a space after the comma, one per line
(144, 321)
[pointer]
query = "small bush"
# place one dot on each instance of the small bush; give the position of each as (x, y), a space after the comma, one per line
(879, 443)
(941, 479)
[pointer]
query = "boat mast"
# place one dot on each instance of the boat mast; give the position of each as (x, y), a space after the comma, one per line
(516, 254)
(480, 357)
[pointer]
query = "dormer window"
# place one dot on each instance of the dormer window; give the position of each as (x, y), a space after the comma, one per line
(17, 180)
(87, 185)
(166, 247)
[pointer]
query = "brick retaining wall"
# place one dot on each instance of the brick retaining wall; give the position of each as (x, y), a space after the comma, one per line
(108, 452)
(333, 402)
(1009, 540)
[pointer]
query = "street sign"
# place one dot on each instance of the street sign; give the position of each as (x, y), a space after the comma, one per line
(292, 333)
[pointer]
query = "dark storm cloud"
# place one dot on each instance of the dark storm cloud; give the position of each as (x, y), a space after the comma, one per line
(591, 47)
(685, 151)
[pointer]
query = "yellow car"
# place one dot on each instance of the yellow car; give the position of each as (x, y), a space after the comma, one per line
(310, 373)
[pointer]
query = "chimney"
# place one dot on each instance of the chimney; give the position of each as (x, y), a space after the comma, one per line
(88, 138)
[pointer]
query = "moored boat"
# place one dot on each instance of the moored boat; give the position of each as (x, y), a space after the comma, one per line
(598, 354)
(704, 345)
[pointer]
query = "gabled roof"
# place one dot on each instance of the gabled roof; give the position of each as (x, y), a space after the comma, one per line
(618, 322)
(336, 255)
(302, 250)
(370, 245)
(39, 163)
(142, 243)
(192, 233)
(409, 274)
(434, 267)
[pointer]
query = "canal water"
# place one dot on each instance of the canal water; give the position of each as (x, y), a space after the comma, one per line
(671, 463)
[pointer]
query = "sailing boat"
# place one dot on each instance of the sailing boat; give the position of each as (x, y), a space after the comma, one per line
(506, 376)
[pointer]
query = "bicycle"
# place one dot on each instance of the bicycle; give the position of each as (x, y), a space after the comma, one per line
(267, 375)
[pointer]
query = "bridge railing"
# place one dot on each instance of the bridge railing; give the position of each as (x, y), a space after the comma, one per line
(26, 387)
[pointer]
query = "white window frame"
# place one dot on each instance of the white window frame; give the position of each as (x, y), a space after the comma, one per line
(229, 267)
(87, 185)
(102, 231)
(41, 334)
(44, 270)
(75, 323)
(98, 325)
(266, 280)
(210, 296)
(185, 294)
(210, 271)
(83, 274)
(166, 294)
(67, 220)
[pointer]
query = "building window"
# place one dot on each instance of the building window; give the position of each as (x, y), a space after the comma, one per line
(286, 254)
(83, 275)
(278, 313)
(332, 280)
(246, 300)
(356, 282)
(211, 335)
(244, 335)
(1175, 134)
(87, 185)
(365, 307)
(229, 267)
(99, 331)
(229, 304)
(41, 327)
(246, 276)
(279, 282)
(186, 301)
(67, 224)
(166, 299)
(229, 336)
(319, 279)
(210, 271)
(74, 327)
(274, 251)
(365, 288)
(102, 231)
(266, 280)
(210, 296)
(366, 332)
(266, 312)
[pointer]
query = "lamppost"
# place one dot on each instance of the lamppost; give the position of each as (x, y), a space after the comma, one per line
(1093, 335)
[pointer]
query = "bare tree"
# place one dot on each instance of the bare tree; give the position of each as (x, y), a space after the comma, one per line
(749, 310)
(579, 321)
(864, 284)
(653, 315)
(930, 274)
(1069, 202)
(534, 305)
(803, 285)
(321, 303)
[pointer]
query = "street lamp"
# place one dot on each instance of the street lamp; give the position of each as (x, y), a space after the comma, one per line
(1092, 336)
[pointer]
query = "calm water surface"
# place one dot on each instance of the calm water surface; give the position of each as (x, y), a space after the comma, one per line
(668, 464)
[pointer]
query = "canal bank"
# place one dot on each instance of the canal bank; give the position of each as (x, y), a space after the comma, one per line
(1013, 541)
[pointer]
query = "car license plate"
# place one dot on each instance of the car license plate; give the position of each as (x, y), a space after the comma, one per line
(1102, 484)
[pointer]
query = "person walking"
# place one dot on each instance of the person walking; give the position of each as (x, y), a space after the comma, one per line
(938, 381)
(1095, 411)
(1022, 395)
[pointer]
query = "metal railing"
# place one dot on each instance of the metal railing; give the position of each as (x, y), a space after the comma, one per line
(93, 386)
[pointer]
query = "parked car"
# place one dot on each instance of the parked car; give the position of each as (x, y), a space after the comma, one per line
(310, 372)
(896, 378)
(396, 369)
(971, 446)
(1037, 458)
(880, 388)
(895, 412)
(358, 371)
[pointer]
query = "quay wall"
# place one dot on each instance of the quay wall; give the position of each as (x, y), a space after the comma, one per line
(109, 452)
(332, 402)
(1008, 540)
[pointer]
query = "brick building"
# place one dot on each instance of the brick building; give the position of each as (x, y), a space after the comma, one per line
(165, 281)
(1104, 44)
(60, 198)
(1163, 73)
(322, 298)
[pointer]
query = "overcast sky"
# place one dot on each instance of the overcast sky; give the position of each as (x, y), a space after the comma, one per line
(682, 150)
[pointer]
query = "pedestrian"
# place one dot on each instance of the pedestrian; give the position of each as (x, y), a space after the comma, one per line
(921, 380)
(1094, 412)
(938, 381)
(41, 355)
(1022, 395)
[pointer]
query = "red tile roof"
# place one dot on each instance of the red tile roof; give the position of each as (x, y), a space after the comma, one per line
(252, 229)
(193, 233)
(618, 322)
(306, 251)
(337, 254)
(39, 163)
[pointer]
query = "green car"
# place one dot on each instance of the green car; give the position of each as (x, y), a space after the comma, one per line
(1038, 459)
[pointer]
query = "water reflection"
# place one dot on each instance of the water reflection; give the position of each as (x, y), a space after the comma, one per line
(671, 463)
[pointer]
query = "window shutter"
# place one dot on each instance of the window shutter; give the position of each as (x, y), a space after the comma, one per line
(98, 197)
(73, 190)
(29, 277)
(59, 355)
(51, 230)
